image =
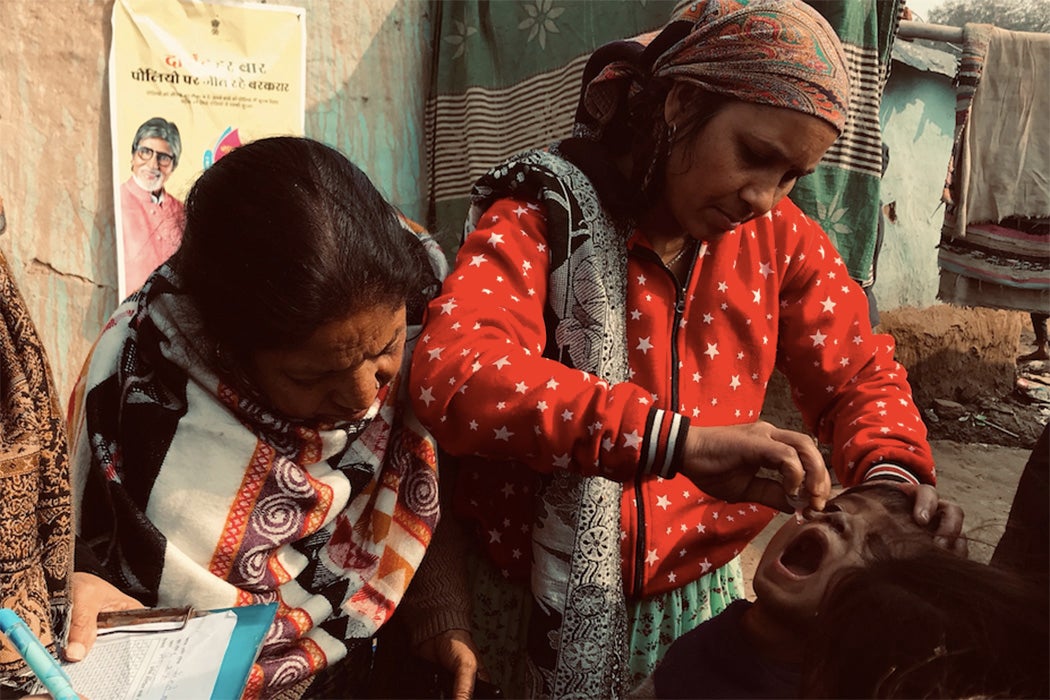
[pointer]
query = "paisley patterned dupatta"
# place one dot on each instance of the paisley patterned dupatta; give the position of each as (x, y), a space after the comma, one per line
(37, 544)
(196, 493)
(578, 627)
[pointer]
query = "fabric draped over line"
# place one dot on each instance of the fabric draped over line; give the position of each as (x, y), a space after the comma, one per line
(995, 240)
(844, 194)
(194, 492)
(36, 551)
(495, 93)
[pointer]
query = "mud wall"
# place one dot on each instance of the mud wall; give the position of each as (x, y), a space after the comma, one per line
(959, 354)
(965, 355)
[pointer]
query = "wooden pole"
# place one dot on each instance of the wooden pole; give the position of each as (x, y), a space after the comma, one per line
(934, 32)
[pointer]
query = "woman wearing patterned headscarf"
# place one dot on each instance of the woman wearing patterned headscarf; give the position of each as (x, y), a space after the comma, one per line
(600, 355)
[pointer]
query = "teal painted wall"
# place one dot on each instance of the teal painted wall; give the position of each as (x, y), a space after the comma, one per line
(918, 120)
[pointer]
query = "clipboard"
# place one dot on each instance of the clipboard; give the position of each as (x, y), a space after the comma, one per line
(253, 622)
(120, 629)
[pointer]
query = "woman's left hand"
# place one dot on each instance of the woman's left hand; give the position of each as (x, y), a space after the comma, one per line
(949, 515)
(455, 651)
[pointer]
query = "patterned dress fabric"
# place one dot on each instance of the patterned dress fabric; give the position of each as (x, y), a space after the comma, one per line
(579, 610)
(36, 550)
(196, 493)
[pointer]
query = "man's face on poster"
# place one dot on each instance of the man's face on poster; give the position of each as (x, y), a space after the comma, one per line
(152, 163)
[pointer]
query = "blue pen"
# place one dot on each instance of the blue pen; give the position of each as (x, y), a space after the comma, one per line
(36, 655)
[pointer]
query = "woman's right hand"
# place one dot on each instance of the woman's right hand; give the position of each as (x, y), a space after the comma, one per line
(91, 595)
(725, 461)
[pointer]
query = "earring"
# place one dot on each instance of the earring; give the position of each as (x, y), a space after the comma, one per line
(672, 131)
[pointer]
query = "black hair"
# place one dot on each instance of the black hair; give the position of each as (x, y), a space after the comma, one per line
(928, 625)
(637, 128)
(895, 499)
(284, 235)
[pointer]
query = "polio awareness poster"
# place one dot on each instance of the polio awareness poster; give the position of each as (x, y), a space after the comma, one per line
(188, 82)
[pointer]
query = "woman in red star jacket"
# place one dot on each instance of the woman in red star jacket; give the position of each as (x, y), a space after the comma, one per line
(617, 311)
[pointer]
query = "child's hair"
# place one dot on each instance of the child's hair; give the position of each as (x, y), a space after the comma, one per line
(898, 503)
(930, 624)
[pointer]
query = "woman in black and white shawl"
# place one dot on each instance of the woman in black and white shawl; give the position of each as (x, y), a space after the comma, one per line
(240, 429)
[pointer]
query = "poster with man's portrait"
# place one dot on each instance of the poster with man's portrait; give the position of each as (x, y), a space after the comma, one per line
(188, 82)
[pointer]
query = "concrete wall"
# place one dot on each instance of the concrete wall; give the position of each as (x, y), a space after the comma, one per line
(366, 85)
(918, 121)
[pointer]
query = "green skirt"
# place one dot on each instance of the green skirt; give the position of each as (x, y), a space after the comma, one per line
(501, 620)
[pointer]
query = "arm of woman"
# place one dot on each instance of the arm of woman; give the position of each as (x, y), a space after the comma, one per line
(437, 608)
(725, 462)
(850, 389)
(481, 384)
(852, 392)
(483, 387)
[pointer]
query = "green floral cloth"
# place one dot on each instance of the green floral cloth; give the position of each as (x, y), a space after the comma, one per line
(507, 78)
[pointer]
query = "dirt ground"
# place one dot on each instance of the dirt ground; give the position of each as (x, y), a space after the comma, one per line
(983, 410)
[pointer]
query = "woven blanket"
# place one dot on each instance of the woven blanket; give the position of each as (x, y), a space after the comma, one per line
(998, 266)
(196, 493)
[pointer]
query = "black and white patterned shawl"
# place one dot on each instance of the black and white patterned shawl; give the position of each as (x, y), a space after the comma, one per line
(193, 491)
(578, 629)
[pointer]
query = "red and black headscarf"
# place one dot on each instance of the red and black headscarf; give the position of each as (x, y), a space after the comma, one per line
(780, 53)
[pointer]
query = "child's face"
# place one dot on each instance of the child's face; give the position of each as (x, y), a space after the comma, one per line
(803, 557)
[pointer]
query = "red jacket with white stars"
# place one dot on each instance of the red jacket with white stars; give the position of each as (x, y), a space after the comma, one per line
(771, 293)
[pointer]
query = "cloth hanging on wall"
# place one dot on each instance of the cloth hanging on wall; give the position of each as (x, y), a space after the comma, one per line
(843, 195)
(506, 78)
(995, 241)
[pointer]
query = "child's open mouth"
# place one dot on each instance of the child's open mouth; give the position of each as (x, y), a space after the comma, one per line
(805, 553)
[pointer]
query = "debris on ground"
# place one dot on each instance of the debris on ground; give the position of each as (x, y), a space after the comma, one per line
(1013, 420)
